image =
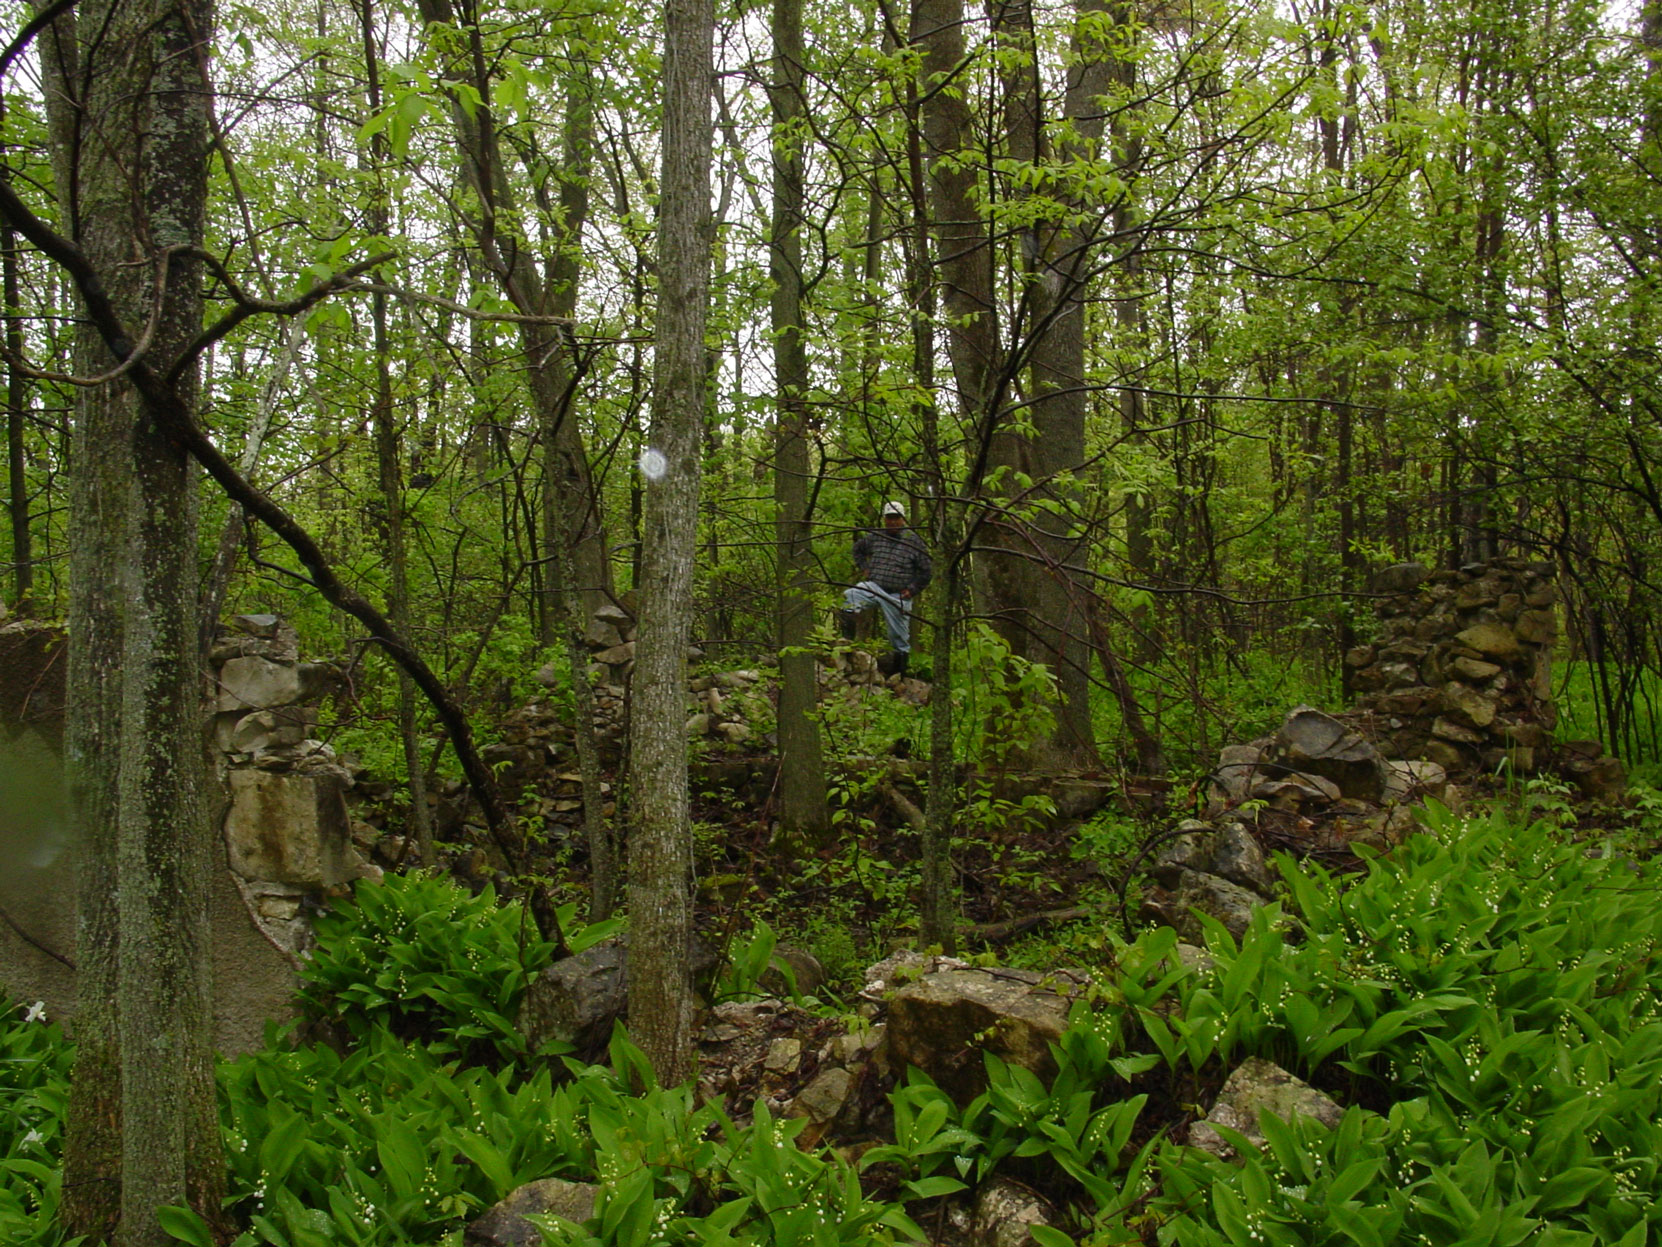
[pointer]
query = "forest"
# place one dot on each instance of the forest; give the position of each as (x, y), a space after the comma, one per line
(449, 331)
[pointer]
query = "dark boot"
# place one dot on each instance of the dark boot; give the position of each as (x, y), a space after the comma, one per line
(845, 623)
(893, 663)
(900, 661)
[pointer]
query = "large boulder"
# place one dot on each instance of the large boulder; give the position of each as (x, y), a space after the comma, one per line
(1492, 640)
(1598, 776)
(1401, 578)
(1229, 850)
(944, 1021)
(577, 999)
(267, 729)
(1297, 790)
(1232, 779)
(1315, 743)
(1229, 903)
(822, 1102)
(1189, 849)
(1255, 1088)
(290, 828)
(1413, 781)
(805, 973)
(254, 683)
(1239, 858)
(1467, 705)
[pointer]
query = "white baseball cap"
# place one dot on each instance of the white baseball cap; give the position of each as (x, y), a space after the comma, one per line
(894, 508)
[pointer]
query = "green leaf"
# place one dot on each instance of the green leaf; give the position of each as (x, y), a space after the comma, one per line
(402, 1158)
(185, 1225)
(1049, 1236)
(492, 1163)
(1351, 1182)
(1570, 1189)
(929, 1188)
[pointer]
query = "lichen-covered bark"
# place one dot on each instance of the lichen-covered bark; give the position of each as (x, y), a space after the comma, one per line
(91, 1203)
(660, 845)
(131, 132)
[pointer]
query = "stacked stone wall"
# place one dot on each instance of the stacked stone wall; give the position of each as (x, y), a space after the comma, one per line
(287, 832)
(1461, 672)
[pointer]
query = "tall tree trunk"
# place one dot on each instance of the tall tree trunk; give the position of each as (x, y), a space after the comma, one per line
(964, 264)
(1063, 265)
(660, 846)
(137, 190)
(938, 913)
(91, 1203)
(802, 795)
(557, 427)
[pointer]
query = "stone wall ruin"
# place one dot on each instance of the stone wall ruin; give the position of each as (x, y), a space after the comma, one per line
(281, 806)
(288, 837)
(1461, 673)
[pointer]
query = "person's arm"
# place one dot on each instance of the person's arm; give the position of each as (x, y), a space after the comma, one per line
(923, 567)
(862, 554)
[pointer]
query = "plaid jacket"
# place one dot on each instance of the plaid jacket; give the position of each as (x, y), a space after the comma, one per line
(896, 561)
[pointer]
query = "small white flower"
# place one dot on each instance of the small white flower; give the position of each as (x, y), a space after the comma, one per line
(36, 1013)
(34, 1136)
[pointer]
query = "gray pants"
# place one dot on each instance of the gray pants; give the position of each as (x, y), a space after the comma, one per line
(897, 611)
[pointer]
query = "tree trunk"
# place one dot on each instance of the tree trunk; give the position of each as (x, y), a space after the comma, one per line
(91, 1203)
(802, 795)
(136, 750)
(660, 847)
(937, 917)
(964, 265)
(1056, 603)
(563, 477)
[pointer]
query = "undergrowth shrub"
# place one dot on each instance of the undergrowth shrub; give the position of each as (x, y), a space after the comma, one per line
(389, 1145)
(1493, 988)
(1483, 1001)
(426, 960)
(34, 1090)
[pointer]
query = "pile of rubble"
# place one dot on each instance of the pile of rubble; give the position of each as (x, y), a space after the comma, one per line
(729, 713)
(1318, 775)
(933, 1013)
(857, 671)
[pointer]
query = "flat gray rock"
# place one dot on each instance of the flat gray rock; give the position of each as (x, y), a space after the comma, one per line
(943, 1022)
(1255, 1088)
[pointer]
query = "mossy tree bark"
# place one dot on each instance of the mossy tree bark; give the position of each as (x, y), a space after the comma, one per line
(130, 122)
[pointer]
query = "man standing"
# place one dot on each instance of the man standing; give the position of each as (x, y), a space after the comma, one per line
(894, 567)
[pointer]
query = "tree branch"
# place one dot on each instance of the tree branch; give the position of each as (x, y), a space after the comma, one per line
(247, 305)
